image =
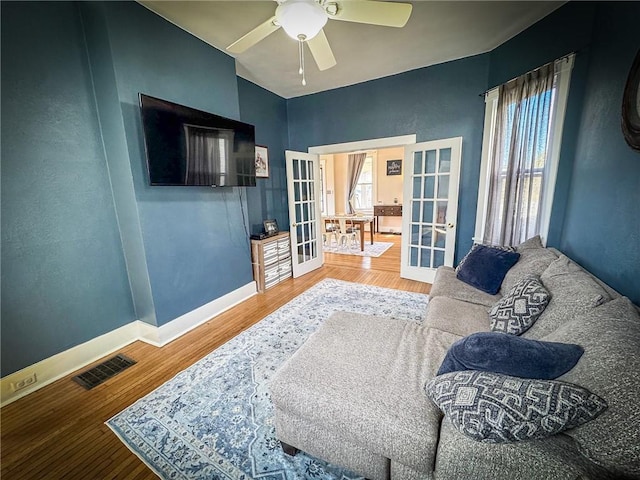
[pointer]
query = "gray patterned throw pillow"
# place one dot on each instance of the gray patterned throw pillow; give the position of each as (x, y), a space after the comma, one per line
(494, 408)
(520, 308)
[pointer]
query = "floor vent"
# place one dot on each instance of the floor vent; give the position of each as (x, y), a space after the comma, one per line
(101, 373)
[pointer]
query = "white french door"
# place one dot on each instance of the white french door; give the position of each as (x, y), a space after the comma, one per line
(303, 186)
(430, 207)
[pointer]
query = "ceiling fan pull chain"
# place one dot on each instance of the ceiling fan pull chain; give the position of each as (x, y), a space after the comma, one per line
(304, 80)
(300, 70)
(301, 39)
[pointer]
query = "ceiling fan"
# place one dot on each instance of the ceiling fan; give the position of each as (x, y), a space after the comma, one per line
(303, 21)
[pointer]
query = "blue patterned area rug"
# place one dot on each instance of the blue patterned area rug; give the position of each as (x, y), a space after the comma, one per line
(375, 250)
(215, 420)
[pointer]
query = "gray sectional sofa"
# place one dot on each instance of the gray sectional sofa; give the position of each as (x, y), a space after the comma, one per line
(354, 393)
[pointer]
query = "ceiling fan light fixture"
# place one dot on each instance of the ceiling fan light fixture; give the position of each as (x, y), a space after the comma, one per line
(301, 19)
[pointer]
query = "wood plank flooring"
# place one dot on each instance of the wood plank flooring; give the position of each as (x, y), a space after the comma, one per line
(59, 432)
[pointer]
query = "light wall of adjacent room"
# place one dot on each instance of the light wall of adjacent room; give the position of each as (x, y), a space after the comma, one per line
(387, 188)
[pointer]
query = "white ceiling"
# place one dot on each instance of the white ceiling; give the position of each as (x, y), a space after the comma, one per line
(437, 32)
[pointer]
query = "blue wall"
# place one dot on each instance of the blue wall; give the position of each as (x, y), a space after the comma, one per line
(437, 102)
(63, 272)
(195, 238)
(602, 220)
(268, 112)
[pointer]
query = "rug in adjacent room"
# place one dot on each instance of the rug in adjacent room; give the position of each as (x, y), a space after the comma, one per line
(375, 250)
(215, 420)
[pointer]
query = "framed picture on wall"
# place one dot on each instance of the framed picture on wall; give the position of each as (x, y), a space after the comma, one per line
(262, 162)
(394, 167)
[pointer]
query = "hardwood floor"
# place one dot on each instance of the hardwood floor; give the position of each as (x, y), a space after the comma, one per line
(59, 432)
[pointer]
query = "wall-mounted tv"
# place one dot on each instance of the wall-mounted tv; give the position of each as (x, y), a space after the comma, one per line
(185, 146)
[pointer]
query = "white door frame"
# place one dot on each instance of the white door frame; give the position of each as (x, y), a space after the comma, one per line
(359, 145)
(371, 144)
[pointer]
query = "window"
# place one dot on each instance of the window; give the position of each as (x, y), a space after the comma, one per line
(363, 194)
(520, 151)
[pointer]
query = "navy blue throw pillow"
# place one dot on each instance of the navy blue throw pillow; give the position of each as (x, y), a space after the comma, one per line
(485, 267)
(511, 355)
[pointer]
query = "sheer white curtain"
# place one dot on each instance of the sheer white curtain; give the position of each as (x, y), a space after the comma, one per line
(519, 156)
(354, 169)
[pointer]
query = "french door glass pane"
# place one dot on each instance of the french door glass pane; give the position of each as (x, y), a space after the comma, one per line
(443, 186)
(417, 163)
(417, 186)
(425, 257)
(303, 172)
(312, 192)
(429, 187)
(438, 258)
(415, 211)
(425, 240)
(427, 212)
(441, 217)
(296, 169)
(445, 160)
(430, 163)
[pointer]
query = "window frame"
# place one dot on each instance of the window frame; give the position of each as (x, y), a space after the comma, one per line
(563, 67)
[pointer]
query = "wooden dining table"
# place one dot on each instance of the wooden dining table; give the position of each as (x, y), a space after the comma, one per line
(354, 220)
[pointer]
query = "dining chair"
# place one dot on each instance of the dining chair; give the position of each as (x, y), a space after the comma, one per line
(330, 230)
(347, 236)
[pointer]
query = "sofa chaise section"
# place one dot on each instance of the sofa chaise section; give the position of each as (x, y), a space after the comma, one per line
(357, 383)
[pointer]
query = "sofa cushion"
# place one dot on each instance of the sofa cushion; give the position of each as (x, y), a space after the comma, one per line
(511, 355)
(553, 458)
(495, 408)
(485, 268)
(520, 307)
(531, 243)
(351, 377)
(573, 293)
(610, 367)
(457, 317)
(534, 259)
(447, 285)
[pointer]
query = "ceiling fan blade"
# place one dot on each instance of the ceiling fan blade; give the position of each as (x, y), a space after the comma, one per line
(388, 14)
(254, 36)
(321, 51)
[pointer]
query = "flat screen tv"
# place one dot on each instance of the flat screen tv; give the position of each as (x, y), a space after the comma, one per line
(185, 146)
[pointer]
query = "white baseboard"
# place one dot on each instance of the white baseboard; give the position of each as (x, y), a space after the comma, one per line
(160, 336)
(62, 364)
